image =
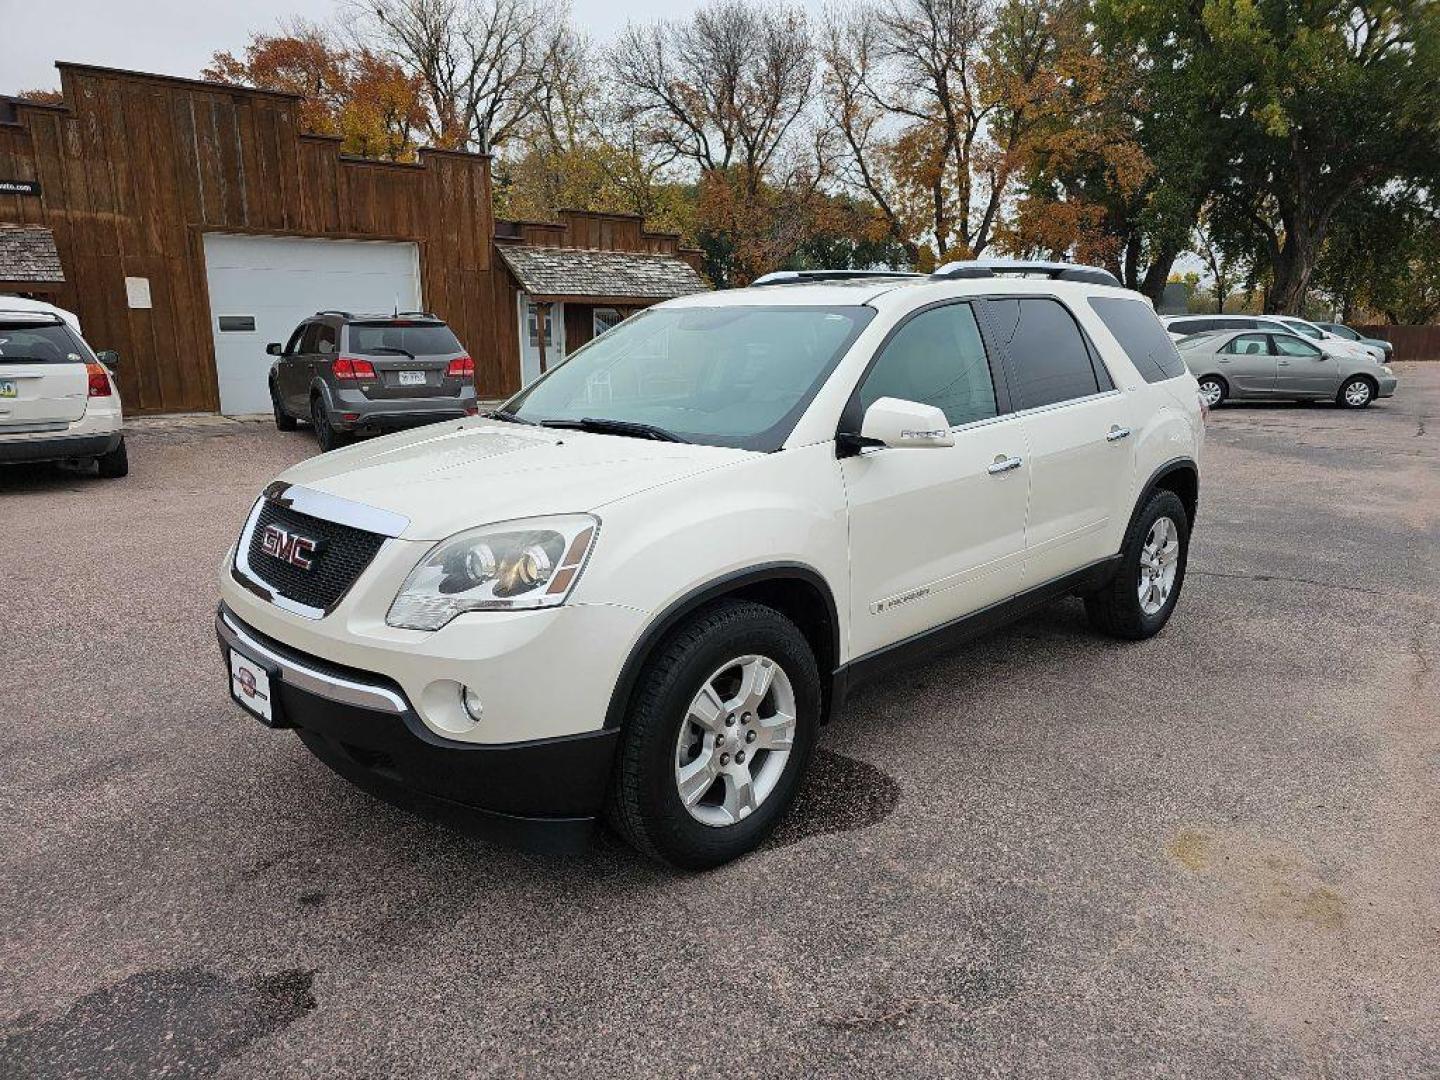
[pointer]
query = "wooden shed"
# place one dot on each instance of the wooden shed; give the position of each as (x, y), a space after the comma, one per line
(193, 223)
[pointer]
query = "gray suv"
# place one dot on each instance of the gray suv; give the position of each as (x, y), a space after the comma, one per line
(353, 375)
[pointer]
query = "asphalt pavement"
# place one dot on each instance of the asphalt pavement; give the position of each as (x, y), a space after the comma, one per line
(1213, 854)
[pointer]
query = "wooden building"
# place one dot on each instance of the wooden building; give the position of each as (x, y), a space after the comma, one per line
(193, 223)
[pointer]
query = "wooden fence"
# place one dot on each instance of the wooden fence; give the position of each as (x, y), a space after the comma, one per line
(1411, 342)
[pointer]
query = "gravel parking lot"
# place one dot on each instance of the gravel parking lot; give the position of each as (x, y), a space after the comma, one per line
(1211, 854)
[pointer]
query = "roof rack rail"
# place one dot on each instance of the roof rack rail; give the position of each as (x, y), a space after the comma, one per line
(422, 314)
(795, 277)
(1056, 271)
(335, 311)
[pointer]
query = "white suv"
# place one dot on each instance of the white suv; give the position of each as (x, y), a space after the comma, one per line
(640, 587)
(58, 399)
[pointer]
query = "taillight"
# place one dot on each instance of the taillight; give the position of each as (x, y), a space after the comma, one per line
(99, 381)
(349, 368)
(462, 367)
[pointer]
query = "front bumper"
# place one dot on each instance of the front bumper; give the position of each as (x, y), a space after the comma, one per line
(543, 794)
(1388, 383)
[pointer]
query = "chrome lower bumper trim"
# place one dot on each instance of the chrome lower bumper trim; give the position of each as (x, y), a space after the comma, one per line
(319, 683)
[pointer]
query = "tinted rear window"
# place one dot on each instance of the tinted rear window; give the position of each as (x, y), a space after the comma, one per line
(381, 338)
(39, 343)
(1048, 357)
(1140, 334)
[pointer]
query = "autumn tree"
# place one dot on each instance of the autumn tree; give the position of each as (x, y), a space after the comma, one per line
(481, 64)
(935, 103)
(302, 60)
(42, 97)
(722, 99)
(367, 101)
(1283, 111)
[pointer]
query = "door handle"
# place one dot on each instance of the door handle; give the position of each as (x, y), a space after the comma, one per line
(1116, 433)
(1003, 464)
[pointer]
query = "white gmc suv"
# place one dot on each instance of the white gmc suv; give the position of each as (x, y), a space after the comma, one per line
(640, 587)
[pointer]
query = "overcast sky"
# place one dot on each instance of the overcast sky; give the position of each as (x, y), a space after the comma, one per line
(177, 37)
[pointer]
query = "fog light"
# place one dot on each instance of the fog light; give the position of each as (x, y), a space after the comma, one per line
(471, 700)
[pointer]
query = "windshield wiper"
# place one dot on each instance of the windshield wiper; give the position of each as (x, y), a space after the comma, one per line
(509, 417)
(602, 426)
(391, 350)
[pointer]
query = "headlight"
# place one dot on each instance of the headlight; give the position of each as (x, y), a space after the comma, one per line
(508, 566)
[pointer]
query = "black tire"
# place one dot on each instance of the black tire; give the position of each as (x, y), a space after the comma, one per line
(1215, 380)
(1355, 381)
(283, 420)
(114, 464)
(644, 802)
(325, 434)
(1116, 609)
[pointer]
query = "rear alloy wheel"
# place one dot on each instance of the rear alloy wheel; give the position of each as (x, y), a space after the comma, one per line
(1137, 602)
(114, 464)
(1212, 391)
(718, 735)
(325, 433)
(1356, 393)
(283, 420)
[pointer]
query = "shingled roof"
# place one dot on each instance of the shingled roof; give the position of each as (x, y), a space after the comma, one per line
(27, 253)
(568, 272)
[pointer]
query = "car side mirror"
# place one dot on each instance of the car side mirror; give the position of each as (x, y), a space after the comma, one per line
(109, 357)
(898, 423)
(275, 349)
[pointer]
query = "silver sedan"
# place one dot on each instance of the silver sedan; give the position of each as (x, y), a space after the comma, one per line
(1255, 366)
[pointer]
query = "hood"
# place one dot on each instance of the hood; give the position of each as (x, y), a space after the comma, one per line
(448, 477)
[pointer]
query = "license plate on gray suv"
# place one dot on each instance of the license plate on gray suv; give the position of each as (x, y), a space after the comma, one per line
(412, 378)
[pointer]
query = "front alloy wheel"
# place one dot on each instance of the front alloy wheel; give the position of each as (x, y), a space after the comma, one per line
(735, 741)
(717, 736)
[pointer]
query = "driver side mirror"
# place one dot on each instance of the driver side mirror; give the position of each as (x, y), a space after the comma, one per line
(109, 357)
(275, 349)
(897, 423)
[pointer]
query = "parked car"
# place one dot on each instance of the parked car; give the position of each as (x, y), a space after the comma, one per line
(362, 374)
(1341, 330)
(640, 586)
(58, 398)
(1183, 325)
(1231, 365)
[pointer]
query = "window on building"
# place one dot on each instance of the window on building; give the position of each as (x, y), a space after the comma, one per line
(604, 318)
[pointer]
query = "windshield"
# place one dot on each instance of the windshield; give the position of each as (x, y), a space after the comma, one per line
(23, 342)
(423, 339)
(1343, 331)
(727, 376)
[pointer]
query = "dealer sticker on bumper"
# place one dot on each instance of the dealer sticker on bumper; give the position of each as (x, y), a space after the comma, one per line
(9, 388)
(251, 686)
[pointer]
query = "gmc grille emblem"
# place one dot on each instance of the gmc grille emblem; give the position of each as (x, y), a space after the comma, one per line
(288, 547)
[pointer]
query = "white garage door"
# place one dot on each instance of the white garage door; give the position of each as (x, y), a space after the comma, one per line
(262, 286)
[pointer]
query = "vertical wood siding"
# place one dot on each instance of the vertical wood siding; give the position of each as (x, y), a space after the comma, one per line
(134, 169)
